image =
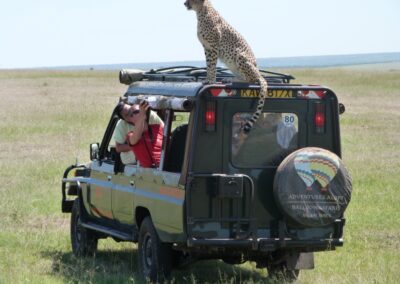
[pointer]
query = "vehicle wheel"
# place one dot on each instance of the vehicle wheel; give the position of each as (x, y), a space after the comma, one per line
(155, 257)
(312, 187)
(280, 272)
(83, 241)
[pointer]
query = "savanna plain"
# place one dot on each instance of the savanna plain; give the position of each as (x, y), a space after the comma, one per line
(49, 118)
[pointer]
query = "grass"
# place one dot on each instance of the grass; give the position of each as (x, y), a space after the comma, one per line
(48, 118)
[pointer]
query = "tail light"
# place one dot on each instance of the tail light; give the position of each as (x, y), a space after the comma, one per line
(210, 116)
(319, 118)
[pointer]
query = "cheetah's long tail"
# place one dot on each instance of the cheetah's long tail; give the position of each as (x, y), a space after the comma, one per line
(260, 105)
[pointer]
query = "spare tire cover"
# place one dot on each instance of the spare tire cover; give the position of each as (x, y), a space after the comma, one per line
(312, 187)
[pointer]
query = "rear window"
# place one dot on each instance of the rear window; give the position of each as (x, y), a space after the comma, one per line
(273, 136)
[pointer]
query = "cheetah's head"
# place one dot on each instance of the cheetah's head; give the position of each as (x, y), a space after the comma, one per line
(194, 5)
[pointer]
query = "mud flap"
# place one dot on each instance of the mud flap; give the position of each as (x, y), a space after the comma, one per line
(303, 260)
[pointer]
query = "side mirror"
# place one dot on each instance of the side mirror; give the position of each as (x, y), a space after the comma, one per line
(94, 151)
(342, 108)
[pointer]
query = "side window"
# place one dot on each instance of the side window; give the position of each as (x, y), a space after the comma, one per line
(180, 118)
(273, 136)
(176, 148)
(110, 154)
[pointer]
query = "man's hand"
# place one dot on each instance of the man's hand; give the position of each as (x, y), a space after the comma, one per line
(143, 107)
(140, 124)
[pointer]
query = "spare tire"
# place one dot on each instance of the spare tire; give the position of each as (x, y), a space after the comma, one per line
(312, 187)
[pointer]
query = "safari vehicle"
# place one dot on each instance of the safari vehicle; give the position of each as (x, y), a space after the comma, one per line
(274, 196)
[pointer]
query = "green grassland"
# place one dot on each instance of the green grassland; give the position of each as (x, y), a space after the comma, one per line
(49, 118)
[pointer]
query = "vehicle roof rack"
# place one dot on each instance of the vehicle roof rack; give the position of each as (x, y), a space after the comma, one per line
(194, 74)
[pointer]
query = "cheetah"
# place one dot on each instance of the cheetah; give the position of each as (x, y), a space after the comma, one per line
(221, 41)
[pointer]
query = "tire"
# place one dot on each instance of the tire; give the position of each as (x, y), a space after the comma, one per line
(154, 257)
(83, 241)
(312, 187)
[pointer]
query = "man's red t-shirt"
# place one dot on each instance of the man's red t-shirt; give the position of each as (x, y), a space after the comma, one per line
(148, 149)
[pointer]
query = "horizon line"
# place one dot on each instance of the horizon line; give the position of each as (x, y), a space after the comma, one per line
(301, 63)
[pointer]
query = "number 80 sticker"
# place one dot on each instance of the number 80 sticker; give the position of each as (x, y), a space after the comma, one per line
(289, 120)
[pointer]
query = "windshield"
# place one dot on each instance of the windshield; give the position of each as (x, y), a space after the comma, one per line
(272, 137)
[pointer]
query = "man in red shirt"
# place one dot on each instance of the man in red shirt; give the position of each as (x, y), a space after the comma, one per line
(145, 140)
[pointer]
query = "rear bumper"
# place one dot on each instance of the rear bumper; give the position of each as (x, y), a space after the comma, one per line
(281, 241)
(266, 245)
(263, 244)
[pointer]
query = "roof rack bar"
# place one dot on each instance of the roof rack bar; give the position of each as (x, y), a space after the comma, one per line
(220, 69)
(192, 73)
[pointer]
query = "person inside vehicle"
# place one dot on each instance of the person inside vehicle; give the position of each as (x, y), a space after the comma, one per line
(121, 145)
(140, 131)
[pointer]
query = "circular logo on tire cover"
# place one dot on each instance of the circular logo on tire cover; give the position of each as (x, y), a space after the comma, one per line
(315, 165)
(312, 187)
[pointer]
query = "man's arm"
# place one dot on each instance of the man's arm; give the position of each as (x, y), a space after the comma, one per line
(122, 147)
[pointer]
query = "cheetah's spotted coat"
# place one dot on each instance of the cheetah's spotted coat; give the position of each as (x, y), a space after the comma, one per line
(222, 41)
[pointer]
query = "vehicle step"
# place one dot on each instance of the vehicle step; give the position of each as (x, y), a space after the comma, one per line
(111, 232)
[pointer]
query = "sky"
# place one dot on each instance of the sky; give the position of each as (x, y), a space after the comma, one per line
(47, 33)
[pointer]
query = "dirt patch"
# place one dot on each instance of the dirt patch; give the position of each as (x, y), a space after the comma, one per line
(386, 239)
(36, 223)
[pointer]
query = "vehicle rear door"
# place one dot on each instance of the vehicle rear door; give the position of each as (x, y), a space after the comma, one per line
(224, 162)
(123, 195)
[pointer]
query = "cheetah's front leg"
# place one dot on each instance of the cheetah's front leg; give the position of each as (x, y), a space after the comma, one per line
(211, 59)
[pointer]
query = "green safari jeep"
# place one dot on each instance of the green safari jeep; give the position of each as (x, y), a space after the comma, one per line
(274, 196)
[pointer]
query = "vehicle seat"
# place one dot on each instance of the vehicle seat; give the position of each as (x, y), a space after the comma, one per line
(176, 151)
